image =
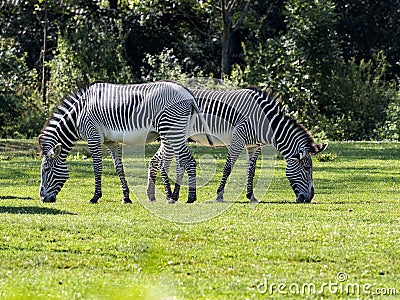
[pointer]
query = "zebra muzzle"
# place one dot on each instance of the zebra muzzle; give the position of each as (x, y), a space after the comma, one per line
(46, 198)
(301, 198)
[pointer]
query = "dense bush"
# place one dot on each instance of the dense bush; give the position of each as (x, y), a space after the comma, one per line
(357, 97)
(298, 62)
(390, 129)
(21, 113)
(338, 98)
(335, 78)
(92, 51)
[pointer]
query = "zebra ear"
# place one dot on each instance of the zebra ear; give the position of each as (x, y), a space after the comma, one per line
(317, 148)
(55, 151)
(299, 156)
(40, 137)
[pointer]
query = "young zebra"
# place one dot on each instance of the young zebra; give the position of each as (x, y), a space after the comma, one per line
(250, 119)
(110, 114)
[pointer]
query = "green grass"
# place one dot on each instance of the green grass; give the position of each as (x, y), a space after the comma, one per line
(73, 250)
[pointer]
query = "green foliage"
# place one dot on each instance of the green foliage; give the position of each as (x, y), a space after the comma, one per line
(21, 114)
(92, 50)
(363, 32)
(335, 62)
(338, 98)
(356, 100)
(165, 66)
(297, 62)
(390, 130)
(78, 156)
(326, 157)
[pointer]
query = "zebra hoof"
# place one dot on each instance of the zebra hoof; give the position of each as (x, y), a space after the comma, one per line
(151, 197)
(171, 201)
(93, 201)
(253, 199)
(126, 201)
(191, 200)
(220, 198)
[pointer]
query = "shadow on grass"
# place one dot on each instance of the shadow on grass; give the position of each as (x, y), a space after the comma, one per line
(259, 202)
(15, 198)
(267, 202)
(33, 210)
(339, 202)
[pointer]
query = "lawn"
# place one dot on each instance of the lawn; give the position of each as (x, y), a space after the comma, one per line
(345, 244)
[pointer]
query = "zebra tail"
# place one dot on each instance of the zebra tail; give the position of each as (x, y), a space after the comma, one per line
(203, 121)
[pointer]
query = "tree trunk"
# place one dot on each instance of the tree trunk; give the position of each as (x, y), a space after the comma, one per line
(226, 59)
(228, 29)
(44, 50)
(113, 4)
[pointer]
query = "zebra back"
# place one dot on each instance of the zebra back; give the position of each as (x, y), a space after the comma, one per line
(267, 121)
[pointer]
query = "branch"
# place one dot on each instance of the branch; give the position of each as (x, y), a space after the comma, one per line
(223, 5)
(242, 16)
(197, 28)
(230, 5)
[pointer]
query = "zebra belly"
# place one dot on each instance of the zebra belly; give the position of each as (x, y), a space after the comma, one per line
(219, 139)
(220, 129)
(138, 136)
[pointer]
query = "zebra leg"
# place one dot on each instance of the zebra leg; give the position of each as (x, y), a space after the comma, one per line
(173, 130)
(166, 158)
(234, 151)
(162, 161)
(115, 151)
(252, 155)
(185, 162)
(154, 166)
(179, 177)
(95, 150)
(157, 163)
(190, 167)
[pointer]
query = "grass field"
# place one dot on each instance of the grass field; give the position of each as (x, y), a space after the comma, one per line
(345, 244)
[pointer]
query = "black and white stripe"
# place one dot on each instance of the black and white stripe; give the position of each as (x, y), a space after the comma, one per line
(249, 119)
(110, 114)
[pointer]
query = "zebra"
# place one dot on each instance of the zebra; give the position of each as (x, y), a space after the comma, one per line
(250, 119)
(110, 114)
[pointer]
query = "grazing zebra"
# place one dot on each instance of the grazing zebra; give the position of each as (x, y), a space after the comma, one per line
(250, 119)
(110, 114)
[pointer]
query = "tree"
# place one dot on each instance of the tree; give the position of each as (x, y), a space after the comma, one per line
(113, 4)
(297, 59)
(333, 60)
(90, 48)
(233, 14)
(366, 27)
(21, 114)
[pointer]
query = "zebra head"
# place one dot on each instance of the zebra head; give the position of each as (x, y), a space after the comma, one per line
(299, 173)
(54, 173)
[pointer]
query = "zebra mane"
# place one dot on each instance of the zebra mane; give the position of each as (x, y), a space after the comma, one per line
(270, 102)
(68, 102)
(64, 107)
(65, 104)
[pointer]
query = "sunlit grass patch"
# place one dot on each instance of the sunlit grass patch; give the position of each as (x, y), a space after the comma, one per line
(73, 250)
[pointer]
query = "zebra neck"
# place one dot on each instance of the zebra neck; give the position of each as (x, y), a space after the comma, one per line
(278, 129)
(61, 130)
(289, 137)
(68, 136)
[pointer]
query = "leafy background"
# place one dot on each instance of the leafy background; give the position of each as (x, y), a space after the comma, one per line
(335, 62)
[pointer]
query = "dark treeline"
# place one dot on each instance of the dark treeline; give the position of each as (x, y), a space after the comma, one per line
(336, 63)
